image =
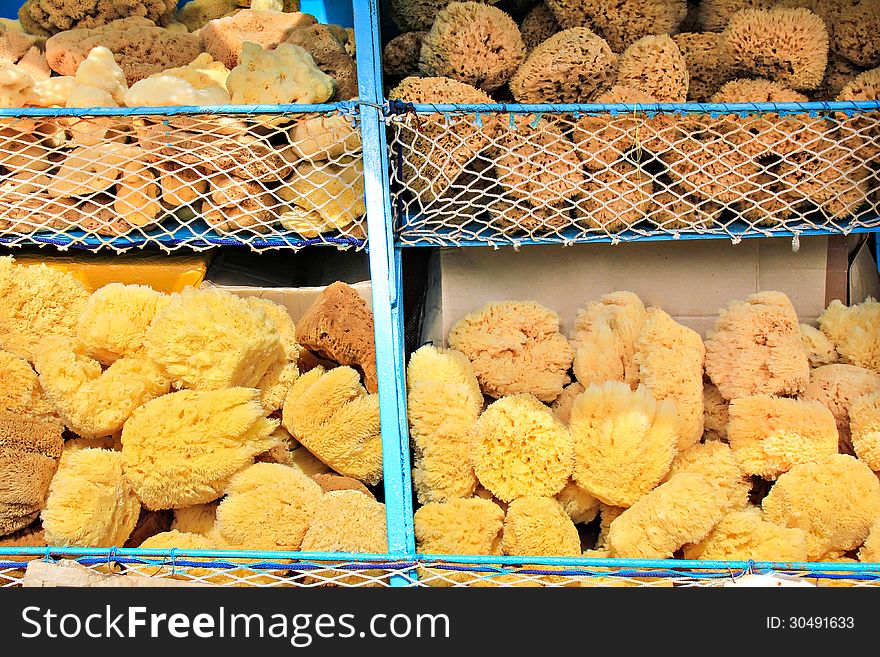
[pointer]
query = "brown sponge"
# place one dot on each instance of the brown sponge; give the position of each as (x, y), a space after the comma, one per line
(138, 45)
(326, 45)
(223, 38)
(46, 17)
(339, 326)
(29, 453)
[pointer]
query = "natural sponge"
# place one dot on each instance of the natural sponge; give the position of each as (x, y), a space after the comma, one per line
(670, 358)
(563, 404)
(461, 526)
(438, 150)
(39, 301)
(836, 386)
(835, 500)
(20, 390)
(515, 347)
(820, 350)
(140, 47)
(789, 45)
(756, 348)
(744, 535)
(854, 331)
(347, 521)
(579, 504)
(715, 413)
(539, 526)
(443, 402)
(770, 435)
(29, 452)
(706, 71)
(91, 503)
(864, 424)
(854, 33)
(473, 43)
(401, 55)
(655, 65)
(683, 510)
(268, 506)
(339, 326)
(715, 461)
(332, 415)
(604, 339)
(183, 448)
(624, 441)
(621, 22)
(46, 17)
(418, 15)
(520, 448)
(871, 549)
(538, 25)
(211, 339)
(573, 66)
(93, 402)
(115, 318)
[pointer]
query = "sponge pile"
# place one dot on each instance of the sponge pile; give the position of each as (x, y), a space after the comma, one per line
(747, 446)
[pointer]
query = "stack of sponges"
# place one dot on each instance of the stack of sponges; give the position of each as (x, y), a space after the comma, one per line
(167, 402)
(673, 444)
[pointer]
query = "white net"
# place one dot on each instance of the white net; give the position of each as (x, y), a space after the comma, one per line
(500, 178)
(225, 572)
(196, 180)
(440, 574)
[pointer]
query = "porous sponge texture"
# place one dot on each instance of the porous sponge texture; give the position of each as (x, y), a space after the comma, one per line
(182, 449)
(715, 461)
(520, 448)
(682, 510)
(756, 348)
(210, 339)
(604, 339)
(789, 45)
(655, 65)
(706, 71)
(573, 66)
(820, 350)
(835, 500)
(539, 526)
(624, 442)
(268, 506)
(20, 390)
(347, 521)
(770, 435)
(670, 359)
(38, 301)
(90, 503)
(91, 402)
(853, 330)
(864, 422)
(115, 319)
(462, 526)
(744, 535)
(835, 387)
(515, 347)
(473, 43)
(332, 415)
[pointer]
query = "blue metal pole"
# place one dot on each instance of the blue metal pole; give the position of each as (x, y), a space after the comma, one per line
(386, 285)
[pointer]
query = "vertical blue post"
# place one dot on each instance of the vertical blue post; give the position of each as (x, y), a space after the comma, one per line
(385, 275)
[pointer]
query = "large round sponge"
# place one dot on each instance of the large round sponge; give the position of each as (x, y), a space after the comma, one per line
(745, 535)
(182, 449)
(211, 339)
(539, 527)
(519, 448)
(789, 45)
(473, 43)
(836, 386)
(515, 347)
(655, 65)
(835, 500)
(854, 330)
(268, 506)
(715, 461)
(459, 527)
(573, 66)
(90, 503)
(624, 442)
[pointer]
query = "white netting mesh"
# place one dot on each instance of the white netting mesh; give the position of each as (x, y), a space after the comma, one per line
(557, 177)
(226, 572)
(458, 575)
(197, 180)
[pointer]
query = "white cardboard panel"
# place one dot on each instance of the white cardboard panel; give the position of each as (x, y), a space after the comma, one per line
(691, 280)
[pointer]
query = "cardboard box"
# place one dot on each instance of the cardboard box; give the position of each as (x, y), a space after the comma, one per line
(291, 280)
(691, 280)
